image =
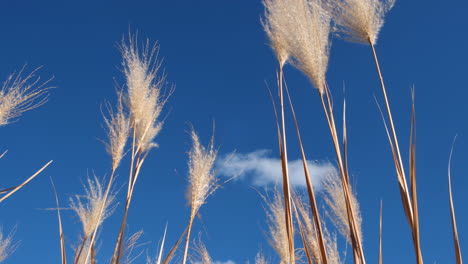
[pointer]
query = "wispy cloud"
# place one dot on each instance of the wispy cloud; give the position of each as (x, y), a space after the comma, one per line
(224, 262)
(260, 169)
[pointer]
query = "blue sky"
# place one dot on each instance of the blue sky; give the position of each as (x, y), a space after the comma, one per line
(216, 55)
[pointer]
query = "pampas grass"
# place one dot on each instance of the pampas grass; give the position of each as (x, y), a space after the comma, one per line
(7, 246)
(21, 93)
(202, 180)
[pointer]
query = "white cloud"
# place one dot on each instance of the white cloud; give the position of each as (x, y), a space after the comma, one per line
(224, 262)
(262, 170)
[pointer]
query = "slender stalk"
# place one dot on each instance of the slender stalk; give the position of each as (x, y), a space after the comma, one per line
(355, 239)
(62, 240)
(187, 240)
(310, 188)
(409, 203)
(399, 168)
(284, 163)
(456, 242)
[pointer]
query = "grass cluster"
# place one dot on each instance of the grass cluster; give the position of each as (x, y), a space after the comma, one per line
(299, 32)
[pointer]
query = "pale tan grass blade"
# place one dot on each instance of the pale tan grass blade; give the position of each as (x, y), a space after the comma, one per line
(303, 234)
(456, 242)
(62, 239)
(414, 196)
(355, 239)
(161, 248)
(15, 189)
(171, 252)
(310, 188)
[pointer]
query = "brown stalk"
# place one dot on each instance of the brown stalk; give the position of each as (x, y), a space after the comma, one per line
(355, 239)
(187, 239)
(408, 203)
(303, 236)
(15, 189)
(310, 188)
(414, 199)
(284, 166)
(174, 248)
(456, 242)
(62, 239)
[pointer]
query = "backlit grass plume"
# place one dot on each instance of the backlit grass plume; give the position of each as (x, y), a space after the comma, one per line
(361, 20)
(202, 180)
(118, 129)
(335, 201)
(92, 209)
(300, 29)
(144, 96)
(20, 94)
(6, 246)
(277, 227)
(88, 206)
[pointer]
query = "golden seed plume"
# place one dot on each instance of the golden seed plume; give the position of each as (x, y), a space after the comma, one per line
(202, 180)
(144, 95)
(201, 255)
(6, 245)
(20, 94)
(278, 235)
(118, 129)
(360, 20)
(88, 206)
(300, 29)
(335, 200)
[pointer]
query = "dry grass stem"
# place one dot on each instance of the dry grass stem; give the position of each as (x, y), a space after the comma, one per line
(456, 242)
(20, 94)
(15, 189)
(380, 234)
(310, 189)
(63, 253)
(360, 20)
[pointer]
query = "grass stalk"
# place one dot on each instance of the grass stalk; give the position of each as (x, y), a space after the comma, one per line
(310, 188)
(409, 203)
(15, 189)
(187, 239)
(284, 166)
(63, 253)
(456, 242)
(358, 252)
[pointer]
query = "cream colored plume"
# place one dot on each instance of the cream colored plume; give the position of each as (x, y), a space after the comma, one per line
(6, 246)
(202, 180)
(89, 206)
(118, 129)
(144, 99)
(360, 20)
(300, 29)
(334, 198)
(20, 94)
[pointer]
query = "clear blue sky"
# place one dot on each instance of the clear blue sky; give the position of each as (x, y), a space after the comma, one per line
(216, 54)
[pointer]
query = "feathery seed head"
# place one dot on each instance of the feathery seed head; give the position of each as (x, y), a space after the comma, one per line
(277, 227)
(144, 99)
(360, 20)
(202, 256)
(6, 246)
(277, 25)
(20, 94)
(260, 259)
(202, 180)
(118, 129)
(88, 207)
(299, 29)
(334, 198)
(311, 46)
